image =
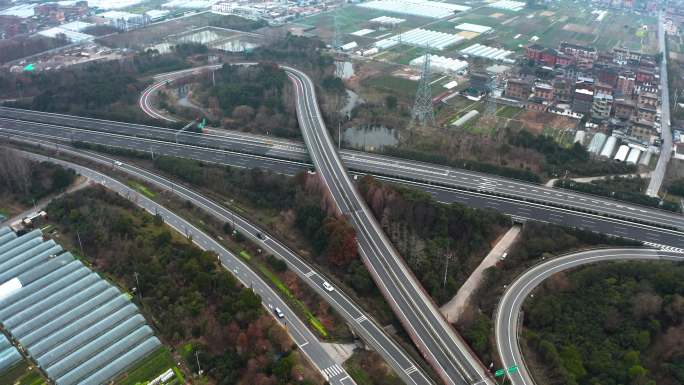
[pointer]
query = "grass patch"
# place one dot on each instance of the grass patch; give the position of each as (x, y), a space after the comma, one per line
(508, 111)
(391, 84)
(245, 255)
(155, 364)
(17, 372)
(359, 376)
(31, 378)
(179, 375)
(310, 317)
(141, 189)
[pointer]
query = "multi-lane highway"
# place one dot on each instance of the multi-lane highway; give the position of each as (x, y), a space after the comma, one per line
(280, 149)
(363, 324)
(300, 334)
(508, 319)
(449, 355)
(524, 209)
(666, 148)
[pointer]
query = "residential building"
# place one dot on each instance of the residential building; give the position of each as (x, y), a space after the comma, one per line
(543, 91)
(535, 103)
(601, 106)
(563, 60)
(646, 113)
(603, 88)
(548, 57)
(518, 89)
(578, 51)
(624, 108)
(648, 99)
(582, 100)
(644, 76)
(643, 130)
(562, 90)
(480, 81)
(533, 52)
(625, 84)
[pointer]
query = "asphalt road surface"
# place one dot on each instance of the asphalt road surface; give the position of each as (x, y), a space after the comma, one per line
(442, 347)
(508, 319)
(281, 149)
(362, 323)
(524, 210)
(298, 331)
(666, 149)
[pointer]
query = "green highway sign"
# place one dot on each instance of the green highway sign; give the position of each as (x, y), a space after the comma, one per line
(513, 369)
(499, 372)
(29, 67)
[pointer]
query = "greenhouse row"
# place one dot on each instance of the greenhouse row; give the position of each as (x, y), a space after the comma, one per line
(77, 327)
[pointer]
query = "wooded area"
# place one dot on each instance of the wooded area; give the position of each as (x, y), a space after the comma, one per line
(628, 189)
(108, 90)
(617, 323)
(26, 180)
(429, 234)
(250, 98)
(19, 47)
(575, 160)
(536, 241)
(195, 304)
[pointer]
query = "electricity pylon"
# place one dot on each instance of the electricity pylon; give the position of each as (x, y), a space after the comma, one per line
(422, 108)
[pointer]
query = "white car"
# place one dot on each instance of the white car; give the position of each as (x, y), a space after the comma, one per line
(328, 286)
(116, 162)
(279, 313)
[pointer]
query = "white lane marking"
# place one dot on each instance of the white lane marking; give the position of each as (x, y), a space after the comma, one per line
(410, 369)
(333, 371)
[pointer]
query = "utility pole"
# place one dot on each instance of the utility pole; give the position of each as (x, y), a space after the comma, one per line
(137, 285)
(80, 244)
(447, 257)
(422, 108)
(199, 369)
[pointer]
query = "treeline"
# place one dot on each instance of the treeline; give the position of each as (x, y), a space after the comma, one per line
(17, 48)
(251, 98)
(305, 53)
(107, 90)
(432, 157)
(236, 22)
(29, 180)
(575, 159)
(189, 297)
(428, 234)
(619, 323)
(332, 238)
(620, 188)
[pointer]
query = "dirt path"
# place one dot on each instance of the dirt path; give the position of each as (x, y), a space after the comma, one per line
(589, 179)
(452, 309)
(80, 183)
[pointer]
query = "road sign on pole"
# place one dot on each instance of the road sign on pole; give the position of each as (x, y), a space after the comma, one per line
(499, 372)
(513, 369)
